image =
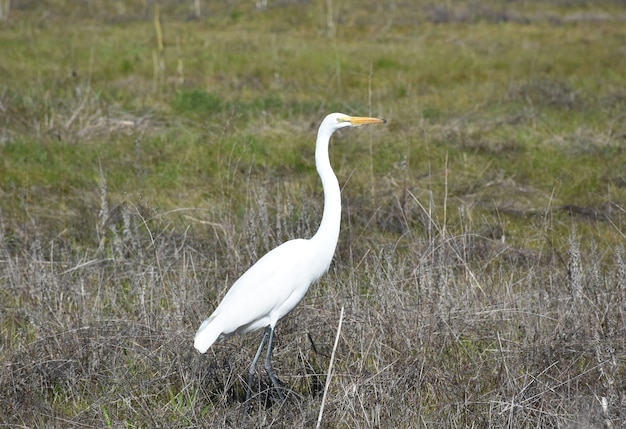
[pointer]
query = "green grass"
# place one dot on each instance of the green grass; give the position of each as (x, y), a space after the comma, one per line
(481, 258)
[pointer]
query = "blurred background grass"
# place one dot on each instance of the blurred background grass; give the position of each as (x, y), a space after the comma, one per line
(526, 96)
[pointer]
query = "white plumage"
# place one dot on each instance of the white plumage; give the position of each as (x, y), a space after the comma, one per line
(278, 281)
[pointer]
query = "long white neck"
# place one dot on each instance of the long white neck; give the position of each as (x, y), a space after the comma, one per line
(328, 232)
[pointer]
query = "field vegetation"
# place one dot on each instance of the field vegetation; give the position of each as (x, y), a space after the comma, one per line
(151, 151)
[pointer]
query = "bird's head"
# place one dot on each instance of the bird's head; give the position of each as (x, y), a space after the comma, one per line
(335, 121)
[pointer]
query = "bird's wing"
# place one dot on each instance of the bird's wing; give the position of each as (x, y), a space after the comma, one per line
(267, 291)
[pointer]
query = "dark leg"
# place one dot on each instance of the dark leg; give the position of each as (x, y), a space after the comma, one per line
(268, 363)
(252, 367)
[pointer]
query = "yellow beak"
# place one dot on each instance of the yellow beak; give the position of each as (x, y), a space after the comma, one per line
(360, 120)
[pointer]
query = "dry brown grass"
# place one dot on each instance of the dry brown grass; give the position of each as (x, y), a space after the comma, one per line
(440, 330)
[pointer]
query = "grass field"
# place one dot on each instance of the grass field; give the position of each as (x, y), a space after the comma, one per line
(151, 151)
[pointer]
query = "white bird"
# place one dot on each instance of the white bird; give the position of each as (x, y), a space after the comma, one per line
(276, 283)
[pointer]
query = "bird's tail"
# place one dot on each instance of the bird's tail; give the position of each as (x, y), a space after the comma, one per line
(207, 334)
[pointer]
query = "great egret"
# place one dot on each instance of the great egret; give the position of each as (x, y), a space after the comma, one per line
(277, 282)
